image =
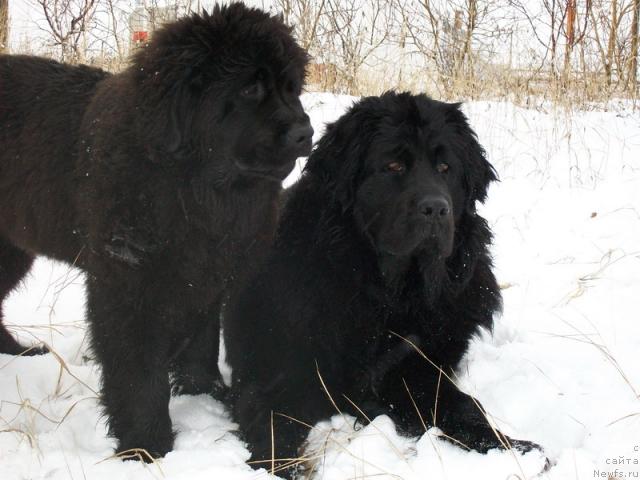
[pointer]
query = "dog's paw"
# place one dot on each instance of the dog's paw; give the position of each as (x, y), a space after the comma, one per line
(523, 446)
(197, 384)
(35, 350)
(482, 439)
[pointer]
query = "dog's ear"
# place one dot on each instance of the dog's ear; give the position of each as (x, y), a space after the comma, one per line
(337, 159)
(166, 124)
(473, 235)
(169, 100)
(478, 172)
(168, 74)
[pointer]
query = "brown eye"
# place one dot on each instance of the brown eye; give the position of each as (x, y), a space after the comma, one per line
(395, 167)
(442, 167)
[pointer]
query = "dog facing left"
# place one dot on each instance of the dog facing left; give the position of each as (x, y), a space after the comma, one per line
(162, 184)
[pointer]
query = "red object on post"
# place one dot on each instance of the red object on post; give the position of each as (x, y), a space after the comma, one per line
(140, 36)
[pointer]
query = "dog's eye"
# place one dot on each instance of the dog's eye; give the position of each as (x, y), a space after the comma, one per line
(442, 167)
(395, 167)
(254, 91)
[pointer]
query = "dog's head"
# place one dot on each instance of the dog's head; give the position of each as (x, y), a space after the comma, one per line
(408, 170)
(226, 86)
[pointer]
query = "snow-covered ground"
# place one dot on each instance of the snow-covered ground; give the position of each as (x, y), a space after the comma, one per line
(561, 368)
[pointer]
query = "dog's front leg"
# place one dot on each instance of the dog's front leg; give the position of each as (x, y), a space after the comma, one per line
(130, 347)
(195, 367)
(420, 395)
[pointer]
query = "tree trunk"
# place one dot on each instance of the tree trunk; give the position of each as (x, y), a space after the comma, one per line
(633, 65)
(4, 26)
(553, 40)
(570, 38)
(613, 32)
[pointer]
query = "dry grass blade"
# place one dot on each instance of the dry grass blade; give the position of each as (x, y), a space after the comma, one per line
(326, 390)
(606, 261)
(631, 415)
(503, 439)
(61, 283)
(273, 447)
(284, 463)
(435, 406)
(26, 405)
(139, 454)
(584, 338)
(70, 409)
(30, 437)
(24, 353)
(366, 462)
(294, 420)
(423, 355)
(415, 406)
(456, 441)
(388, 440)
(63, 364)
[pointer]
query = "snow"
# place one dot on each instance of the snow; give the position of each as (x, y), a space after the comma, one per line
(560, 369)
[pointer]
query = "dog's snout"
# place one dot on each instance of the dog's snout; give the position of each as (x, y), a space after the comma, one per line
(300, 134)
(435, 207)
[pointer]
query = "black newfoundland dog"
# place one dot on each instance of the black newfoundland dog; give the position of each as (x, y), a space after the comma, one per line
(162, 183)
(379, 276)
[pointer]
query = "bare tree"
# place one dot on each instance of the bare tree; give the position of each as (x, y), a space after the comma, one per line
(549, 19)
(470, 18)
(305, 17)
(425, 24)
(451, 36)
(115, 17)
(601, 22)
(351, 32)
(68, 22)
(612, 35)
(110, 32)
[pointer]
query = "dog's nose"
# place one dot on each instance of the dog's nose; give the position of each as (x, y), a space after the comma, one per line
(434, 207)
(300, 134)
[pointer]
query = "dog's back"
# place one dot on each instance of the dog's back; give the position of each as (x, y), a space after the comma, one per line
(42, 103)
(29, 86)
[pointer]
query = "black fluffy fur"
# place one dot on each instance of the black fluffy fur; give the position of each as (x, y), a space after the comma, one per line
(329, 304)
(161, 182)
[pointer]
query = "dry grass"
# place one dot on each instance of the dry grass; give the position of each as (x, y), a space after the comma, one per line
(585, 338)
(585, 281)
(526, 87)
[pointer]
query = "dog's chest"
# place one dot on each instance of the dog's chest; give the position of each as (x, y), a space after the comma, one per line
(216, 261)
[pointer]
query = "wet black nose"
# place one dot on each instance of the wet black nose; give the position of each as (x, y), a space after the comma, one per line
(299, 136)
(435, 207)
